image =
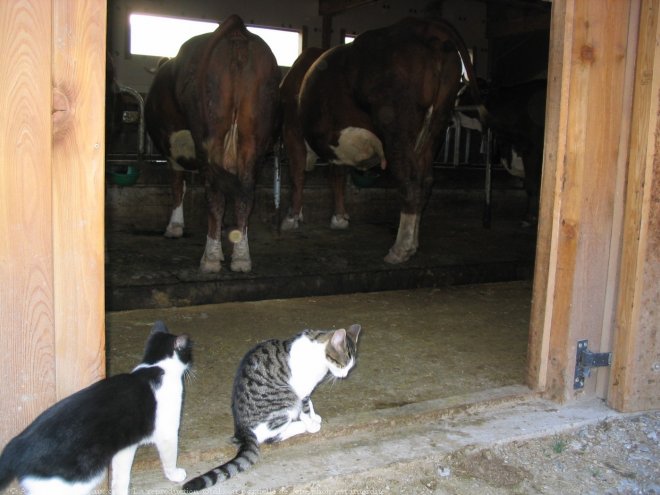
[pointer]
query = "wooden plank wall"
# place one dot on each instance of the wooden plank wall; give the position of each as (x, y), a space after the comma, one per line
(636, 368)
(78, 191)
(27, 315)
(588, 118)
(51, 203)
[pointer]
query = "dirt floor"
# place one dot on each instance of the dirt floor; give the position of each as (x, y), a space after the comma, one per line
(415, 346)
(436, 405)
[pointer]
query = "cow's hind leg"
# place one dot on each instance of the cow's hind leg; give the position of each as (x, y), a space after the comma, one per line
(240, 258)
(340, 219)
(406, 243)
(175, 226)
(213, 256)
(407, 238)
(300, 158)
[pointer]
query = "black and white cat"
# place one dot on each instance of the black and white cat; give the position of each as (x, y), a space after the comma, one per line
(67, 449)
(271, 395)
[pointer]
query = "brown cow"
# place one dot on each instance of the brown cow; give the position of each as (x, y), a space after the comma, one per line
(383, 100)
(214, 108)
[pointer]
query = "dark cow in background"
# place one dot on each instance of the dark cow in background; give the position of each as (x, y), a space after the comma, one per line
(384, 100)
(516, 116)
(170, 133)
(214, 108)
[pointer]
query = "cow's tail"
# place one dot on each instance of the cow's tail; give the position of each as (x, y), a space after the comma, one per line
(463, 52)
(233, 24)
(247, 456)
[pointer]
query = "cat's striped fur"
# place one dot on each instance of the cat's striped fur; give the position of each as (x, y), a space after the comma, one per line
(271, 395)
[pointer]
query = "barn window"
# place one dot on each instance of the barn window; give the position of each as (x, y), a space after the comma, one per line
(163, 36)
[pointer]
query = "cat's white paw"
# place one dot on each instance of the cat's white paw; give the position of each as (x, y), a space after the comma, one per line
(313, 427)
(312, 422)
(177, 475)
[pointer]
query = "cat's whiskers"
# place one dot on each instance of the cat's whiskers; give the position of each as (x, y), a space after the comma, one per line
(331, 379)
(190, 375)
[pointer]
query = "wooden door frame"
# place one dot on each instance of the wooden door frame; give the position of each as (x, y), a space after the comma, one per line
(52, 315)
(592, 241)
(52, 309)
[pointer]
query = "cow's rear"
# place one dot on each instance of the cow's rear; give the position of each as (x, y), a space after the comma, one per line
(226, 87)
(385, 100)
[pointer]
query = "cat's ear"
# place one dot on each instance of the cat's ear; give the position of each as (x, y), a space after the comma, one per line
(181, 342)
(338, 340)
(159, 327)
(354, 331)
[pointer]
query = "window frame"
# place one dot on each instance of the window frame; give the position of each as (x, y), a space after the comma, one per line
(279, 56)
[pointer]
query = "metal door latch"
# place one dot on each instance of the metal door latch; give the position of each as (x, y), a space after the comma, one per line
(585, 360)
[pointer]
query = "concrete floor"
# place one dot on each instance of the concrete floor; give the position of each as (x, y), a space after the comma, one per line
(422, 353)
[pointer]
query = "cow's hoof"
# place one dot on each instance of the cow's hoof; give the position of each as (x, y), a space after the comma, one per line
(241, 265)
(339, 222)
(174, 231)
(291, 222)
(394, 257)
(240, 258)
(210, 266)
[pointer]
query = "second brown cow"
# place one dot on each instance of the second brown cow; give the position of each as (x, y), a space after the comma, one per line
(383, 100)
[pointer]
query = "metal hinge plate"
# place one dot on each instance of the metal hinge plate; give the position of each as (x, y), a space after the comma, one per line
(585, 360)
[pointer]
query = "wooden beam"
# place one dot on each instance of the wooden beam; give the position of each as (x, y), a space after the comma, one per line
(543, 300)
(27, 309)
(332, 7)
(579, 189)
(51, 203)
(635, 383)
(78, 191)
(326, 32)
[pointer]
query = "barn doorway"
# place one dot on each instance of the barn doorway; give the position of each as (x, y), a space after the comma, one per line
(445, 331)
(53, 363)
(398, 400)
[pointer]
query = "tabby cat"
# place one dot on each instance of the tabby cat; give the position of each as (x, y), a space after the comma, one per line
(271, 395)
(67, 449)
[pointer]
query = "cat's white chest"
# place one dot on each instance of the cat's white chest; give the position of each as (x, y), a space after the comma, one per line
(168, 401)
(308, 366)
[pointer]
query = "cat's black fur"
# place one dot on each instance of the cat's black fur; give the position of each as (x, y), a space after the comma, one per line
(77, 438)
(272, 388)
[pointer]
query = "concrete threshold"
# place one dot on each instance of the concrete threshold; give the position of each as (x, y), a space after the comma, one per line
(360, 445)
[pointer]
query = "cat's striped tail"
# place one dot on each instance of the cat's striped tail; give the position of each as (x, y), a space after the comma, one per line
(248, 454)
